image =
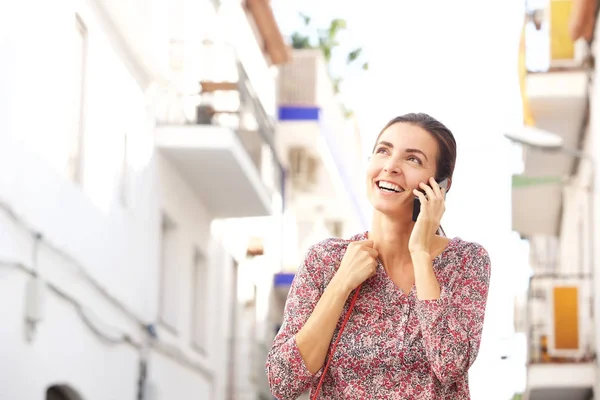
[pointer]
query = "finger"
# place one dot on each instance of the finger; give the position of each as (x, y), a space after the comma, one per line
(428, 190)
(436, 187)
(374, 268)
(372, 252)
(420, 195)
(365, 243)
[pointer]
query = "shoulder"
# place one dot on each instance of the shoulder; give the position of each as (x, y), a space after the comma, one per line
(471, 249)
(473, 256)
(329, 252)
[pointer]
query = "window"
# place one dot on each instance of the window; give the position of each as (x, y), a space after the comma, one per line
(169, 276)
(74, 162)
(199, 301)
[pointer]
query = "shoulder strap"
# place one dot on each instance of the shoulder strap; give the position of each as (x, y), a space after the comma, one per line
(332, 352)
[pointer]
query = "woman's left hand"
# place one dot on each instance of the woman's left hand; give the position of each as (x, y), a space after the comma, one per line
(428, 221)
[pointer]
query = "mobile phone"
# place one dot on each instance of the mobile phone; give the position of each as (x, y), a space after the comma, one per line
(417, 203)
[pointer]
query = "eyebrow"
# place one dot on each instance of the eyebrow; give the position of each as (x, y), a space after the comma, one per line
(391, 146)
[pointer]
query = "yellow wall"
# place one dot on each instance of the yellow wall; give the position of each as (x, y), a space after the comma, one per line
(561, 45)
(527, 114)
(566, 318)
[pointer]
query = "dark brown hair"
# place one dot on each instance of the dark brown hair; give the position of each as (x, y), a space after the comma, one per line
(446, 159)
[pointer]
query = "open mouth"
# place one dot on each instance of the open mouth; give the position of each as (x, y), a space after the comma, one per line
(389, 187)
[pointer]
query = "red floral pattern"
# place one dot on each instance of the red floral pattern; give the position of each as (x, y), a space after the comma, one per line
(394, 345)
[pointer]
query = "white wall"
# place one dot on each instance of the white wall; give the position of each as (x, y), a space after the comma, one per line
(64, 351)
(576, 218)
(88, 235)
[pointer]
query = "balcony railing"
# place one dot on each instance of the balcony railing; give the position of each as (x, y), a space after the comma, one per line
(227, 99)
(235, 105)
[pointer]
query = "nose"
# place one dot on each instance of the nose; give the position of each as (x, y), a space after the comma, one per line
(391, 166)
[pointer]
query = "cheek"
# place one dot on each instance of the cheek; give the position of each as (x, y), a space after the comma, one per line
(413, 178)
(372, 171)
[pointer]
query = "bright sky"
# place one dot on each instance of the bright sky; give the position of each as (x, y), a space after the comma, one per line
(456, 60)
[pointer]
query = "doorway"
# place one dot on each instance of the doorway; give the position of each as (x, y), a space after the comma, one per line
(62, 392)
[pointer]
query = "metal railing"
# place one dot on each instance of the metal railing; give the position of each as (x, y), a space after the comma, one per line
(265, 132)
(242, 111)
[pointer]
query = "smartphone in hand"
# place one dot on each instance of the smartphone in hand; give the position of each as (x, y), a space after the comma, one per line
(417, 203)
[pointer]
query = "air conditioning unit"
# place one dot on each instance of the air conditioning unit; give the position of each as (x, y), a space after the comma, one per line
(302, 169)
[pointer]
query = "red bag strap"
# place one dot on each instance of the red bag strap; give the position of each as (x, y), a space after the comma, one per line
(332, 352)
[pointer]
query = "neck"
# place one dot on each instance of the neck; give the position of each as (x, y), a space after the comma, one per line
(390, 238)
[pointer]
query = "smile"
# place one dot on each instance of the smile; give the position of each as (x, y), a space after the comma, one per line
(389, 187)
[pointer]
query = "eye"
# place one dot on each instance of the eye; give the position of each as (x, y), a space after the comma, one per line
(414, 159)
(381, 150)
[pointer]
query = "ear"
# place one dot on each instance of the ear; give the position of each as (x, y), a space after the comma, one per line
(449, 185)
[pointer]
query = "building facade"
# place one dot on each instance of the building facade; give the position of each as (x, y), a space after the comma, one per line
(554, 201)
(157, 123)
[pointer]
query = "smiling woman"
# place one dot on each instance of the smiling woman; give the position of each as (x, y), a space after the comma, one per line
(403, 306)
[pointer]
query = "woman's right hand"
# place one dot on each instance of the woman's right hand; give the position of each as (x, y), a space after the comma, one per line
(358, 264)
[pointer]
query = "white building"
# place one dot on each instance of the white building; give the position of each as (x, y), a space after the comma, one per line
(325, 184)
(114, 283)
(554, 207)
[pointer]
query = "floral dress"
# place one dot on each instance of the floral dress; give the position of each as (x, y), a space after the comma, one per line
(394, 345)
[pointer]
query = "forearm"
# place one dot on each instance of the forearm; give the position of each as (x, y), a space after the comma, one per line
(452, 321)
(314, 338)
(428, 288)
(447, 342)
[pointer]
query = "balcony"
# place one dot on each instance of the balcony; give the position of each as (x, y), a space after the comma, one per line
(305, 81)
(553, 40)
(321, 147)
(557, 78)
(555, 84)
(226, 150)
(561, 359)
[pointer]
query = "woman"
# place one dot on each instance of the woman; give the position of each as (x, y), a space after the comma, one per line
(416, 325)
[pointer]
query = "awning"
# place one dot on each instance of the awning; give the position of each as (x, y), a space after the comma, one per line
(536, 205)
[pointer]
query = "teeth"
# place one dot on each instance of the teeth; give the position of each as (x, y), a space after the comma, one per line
(389, 186)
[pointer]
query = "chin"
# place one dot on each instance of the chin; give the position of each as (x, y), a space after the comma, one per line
(389, 209)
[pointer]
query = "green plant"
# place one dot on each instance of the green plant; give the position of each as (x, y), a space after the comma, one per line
(327, 42)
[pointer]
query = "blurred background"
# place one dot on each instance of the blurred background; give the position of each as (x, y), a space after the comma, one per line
(166, 164)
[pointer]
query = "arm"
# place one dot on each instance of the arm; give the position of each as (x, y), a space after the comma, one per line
(310, 318)
(453, 321)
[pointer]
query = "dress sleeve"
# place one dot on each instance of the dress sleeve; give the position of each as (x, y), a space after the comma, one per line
(452, 325)
(286, 371)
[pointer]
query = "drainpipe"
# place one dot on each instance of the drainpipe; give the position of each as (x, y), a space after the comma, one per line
(34, 294)
(143, 392)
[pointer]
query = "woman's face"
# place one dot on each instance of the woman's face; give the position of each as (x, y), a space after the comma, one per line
(404, 156)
